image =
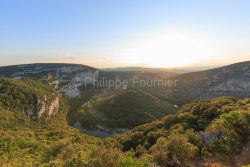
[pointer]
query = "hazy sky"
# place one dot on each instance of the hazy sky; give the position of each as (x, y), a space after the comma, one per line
(111, 33)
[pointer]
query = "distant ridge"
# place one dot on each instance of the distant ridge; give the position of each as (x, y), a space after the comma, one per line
(230, 80)
(179, 70)
(37, 68)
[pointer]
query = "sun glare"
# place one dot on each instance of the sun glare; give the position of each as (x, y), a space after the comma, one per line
(167, 50)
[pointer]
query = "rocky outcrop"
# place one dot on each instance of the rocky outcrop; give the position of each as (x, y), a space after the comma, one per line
(65, 77)
(54, 106)
(42, 106)
(45, 107)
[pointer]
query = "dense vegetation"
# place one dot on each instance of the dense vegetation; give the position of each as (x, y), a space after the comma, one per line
(31, 141)
(41, 142)
(123, 109)
(202, 133)
(23, 95)
(205, 131)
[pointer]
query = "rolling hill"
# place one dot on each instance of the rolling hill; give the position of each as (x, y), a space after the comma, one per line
(202, 133)
(123, 109)
(231, 80)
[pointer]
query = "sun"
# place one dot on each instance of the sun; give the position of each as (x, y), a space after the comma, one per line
(172, 49)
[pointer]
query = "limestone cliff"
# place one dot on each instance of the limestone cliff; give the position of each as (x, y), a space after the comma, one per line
(29, 96)
(48, 108)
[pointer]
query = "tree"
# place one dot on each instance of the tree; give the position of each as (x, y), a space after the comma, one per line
(173, 150)
(131, 161)
(179, 149)
(105, 157)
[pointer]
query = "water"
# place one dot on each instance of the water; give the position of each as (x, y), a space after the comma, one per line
(96, 133)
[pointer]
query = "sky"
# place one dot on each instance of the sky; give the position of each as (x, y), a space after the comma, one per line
(122, 33)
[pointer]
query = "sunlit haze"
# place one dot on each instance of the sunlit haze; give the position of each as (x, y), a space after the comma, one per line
(115, 33)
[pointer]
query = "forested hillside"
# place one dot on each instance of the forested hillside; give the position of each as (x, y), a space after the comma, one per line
(33, 140)
(123, 109)
(202, 133)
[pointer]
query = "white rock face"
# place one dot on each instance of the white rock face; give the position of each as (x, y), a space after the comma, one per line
(87, 77)
(80, 79)
(66, 77)
(42, 103)
(42, 110)
(71, 92)
(46, 108)
(54, 106)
